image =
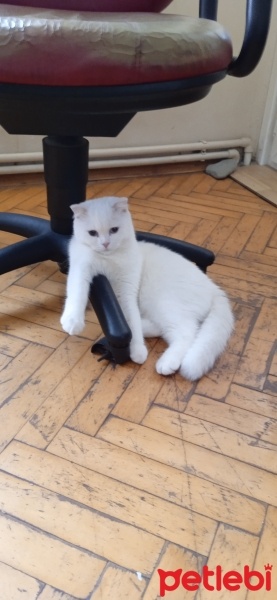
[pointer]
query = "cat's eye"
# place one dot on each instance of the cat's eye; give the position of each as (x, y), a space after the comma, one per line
(114, 229)
(93, 233)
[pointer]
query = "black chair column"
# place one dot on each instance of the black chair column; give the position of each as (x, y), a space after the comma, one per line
(66, 177)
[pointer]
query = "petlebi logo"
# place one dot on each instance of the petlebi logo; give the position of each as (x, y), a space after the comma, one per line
(215, 579)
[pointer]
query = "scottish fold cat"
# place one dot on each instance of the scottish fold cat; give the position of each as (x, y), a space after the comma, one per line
(160, 292)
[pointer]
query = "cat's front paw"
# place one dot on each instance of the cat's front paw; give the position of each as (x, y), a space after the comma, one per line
(138, 353)
(72, 324)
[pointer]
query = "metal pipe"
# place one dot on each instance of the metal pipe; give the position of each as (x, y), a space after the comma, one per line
(32, 162)
(131, 162)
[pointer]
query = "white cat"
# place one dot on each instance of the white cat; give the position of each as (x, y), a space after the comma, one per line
(160, 292)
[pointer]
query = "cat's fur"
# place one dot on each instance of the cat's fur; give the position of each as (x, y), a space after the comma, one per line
(160, 292)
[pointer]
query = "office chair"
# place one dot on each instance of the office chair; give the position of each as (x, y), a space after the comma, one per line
(74, 68)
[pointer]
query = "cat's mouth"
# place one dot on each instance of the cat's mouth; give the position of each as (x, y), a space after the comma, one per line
(104, 250)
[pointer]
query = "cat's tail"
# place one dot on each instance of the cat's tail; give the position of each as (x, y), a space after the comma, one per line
(211, 339)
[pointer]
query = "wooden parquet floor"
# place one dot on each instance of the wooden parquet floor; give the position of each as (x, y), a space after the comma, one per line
(108, 474)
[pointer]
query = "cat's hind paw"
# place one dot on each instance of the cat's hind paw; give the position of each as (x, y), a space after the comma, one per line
(72, 324)
(138, 353)
(167, 364)
(192, 371)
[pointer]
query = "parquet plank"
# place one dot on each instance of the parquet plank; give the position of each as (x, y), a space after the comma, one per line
(150, 188)
(38, 315)
(252, 401)
(255, 278)
(216, 208)
(238, 239)
(262, 234)
(113, 187)
(38, 325)
(251, 292)
(33, 297)
(13, 377)
(260, 262)
(236, 419)
(137, 397)
(34, 200)
(267, 553)
(273, 240)
(232, 203)
(116, 499)
(47, 419)
(170, 186)
(216, 384)
(52, 287)
(200, 232)
(255, 363)
(269, 251)
(214, 434)
(220, 233)
(132, 186)
(188, 183)
(250, 261)
(163, 214)
(79, 526)
(217, 468)
(49, 593)
(48, 559)
(38, 379)
(9, 278)
(38, 274)
(233, 549)
(116, 583)
(144, 473)
(37, 211)
(243, 295)
(9, 238)
(240, 194)
(16, 585)
(266, 325)
(10, 345)
(161, 230)
(174, 392)
(17, 196)
(101, 398)
(4, 361)
(96, 189)
(270, 385)
(172, 559)
(180, 231)
(245, 317)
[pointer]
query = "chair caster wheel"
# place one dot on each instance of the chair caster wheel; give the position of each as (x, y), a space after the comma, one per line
(113, 354)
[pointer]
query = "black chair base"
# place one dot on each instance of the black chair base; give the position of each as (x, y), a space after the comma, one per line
(42, 243)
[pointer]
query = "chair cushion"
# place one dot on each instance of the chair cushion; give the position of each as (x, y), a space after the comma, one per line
(64, 48)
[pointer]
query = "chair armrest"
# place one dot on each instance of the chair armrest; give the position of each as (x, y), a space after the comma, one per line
(258, 14)
(208, 9)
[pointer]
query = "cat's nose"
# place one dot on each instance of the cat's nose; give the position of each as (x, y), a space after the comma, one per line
(106, 244)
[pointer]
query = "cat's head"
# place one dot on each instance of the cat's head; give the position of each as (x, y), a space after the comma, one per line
(104, 224)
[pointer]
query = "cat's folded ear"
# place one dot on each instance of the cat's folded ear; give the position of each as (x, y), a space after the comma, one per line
(120, 204)
(79, 210)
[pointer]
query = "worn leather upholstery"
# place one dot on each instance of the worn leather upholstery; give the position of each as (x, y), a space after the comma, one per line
(65, 48)
(97, 5)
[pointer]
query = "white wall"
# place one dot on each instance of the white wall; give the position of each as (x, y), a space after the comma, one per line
(234, 107)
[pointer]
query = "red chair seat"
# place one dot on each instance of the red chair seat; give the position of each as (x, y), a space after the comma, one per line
(97, 5)
(65, 48)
